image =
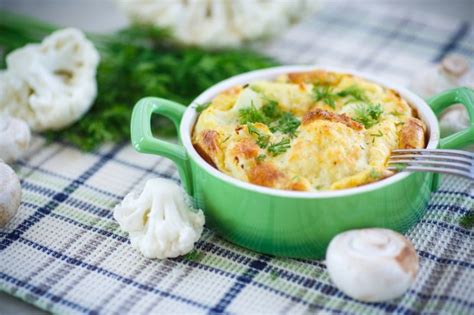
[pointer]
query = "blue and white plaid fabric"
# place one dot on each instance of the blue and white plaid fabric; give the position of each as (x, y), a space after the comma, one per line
(64, 252)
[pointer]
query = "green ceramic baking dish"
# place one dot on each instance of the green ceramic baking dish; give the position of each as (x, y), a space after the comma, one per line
(290, 223)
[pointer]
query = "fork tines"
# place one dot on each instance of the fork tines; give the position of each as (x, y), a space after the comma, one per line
(455, 162)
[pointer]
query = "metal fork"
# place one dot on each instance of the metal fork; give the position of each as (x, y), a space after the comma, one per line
(455, 162)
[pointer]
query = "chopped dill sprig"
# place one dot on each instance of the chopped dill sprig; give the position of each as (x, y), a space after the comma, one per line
(325, 94)
(260, 158)
(287, 124)
(354, 91)
(251, 115)
(262, 139)
(279, 147)
(368, 114)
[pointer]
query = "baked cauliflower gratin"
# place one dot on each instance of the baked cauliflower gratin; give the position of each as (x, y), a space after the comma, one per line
(306, 131)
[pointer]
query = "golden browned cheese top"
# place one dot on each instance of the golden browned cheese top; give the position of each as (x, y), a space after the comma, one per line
(307, 131)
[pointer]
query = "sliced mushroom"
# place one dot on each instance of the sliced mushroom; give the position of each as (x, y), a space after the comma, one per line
(10, 194)
(14, 138)
(372, 265)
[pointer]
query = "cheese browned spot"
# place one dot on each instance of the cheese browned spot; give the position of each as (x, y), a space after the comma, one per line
(315, 77)
(264, 174)
(233, 90)
(208, 146)
(298, 186)
(209, 139)
(412, 134)
(245, 147)
(331, 116)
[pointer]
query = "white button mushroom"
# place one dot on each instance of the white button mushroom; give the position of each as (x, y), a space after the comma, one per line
(52, 84)
(14, 138)
(159, 221)
(10, 193)
(372, 265)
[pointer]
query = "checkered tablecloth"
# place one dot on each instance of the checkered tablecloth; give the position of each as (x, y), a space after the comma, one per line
(64, 252)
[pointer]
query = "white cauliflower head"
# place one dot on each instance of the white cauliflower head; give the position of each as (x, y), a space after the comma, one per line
(52, 84)
(219, 23)
(159, 221)
(14, 138)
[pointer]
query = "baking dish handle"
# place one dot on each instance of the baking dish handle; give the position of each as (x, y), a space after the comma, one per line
(144, 141)
(441, 101)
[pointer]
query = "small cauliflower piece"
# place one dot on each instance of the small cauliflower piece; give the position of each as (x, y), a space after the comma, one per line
(52, 84)
(159, 221)
(10, 194)
(372, 265)
(14, 138)
(217, 23)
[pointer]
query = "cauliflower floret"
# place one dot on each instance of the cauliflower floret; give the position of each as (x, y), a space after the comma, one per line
(218, 23)
(52, 84)
(159, 222)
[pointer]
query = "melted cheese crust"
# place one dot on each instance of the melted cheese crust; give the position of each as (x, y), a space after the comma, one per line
(331, 150)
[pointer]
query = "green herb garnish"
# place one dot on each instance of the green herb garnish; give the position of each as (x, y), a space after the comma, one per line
(135, 62)
(201, 107)
(260, 158)
(287, 124)
(251, 115)
(355, 92)
(279, 147)
(378, 134)
(325, 94)
(396, 113)
(368, 114)
(271, 110)
(262, 139)
(271, 115)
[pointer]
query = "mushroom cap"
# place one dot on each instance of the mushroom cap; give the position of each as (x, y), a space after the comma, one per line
(14, 138)
(372, 265)
(455, 65)
(10, 193)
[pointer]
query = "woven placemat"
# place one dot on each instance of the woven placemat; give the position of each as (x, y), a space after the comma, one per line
(64, 252)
